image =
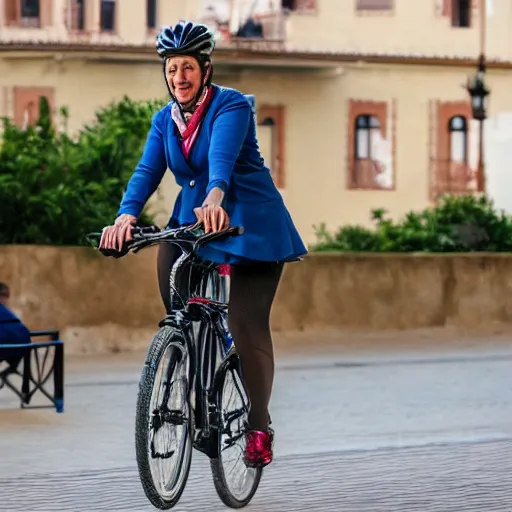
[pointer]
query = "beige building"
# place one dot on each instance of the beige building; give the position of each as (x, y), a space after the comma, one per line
(361, 103)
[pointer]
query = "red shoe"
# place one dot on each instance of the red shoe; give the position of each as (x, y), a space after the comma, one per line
(258, 450)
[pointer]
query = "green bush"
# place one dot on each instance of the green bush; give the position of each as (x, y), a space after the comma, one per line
(55, 189)
(455, 224)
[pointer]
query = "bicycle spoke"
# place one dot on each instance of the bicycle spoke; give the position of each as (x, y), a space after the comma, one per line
(235, 482)
(163, 426)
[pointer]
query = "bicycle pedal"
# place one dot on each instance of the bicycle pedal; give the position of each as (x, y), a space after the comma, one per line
(206, 445)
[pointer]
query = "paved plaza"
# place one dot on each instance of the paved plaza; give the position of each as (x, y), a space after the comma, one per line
(355, 432)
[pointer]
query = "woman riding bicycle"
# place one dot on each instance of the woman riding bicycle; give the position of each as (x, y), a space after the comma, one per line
(206, 136)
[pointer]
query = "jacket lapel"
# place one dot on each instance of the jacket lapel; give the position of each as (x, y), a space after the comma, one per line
(179, 164)
(178, 160)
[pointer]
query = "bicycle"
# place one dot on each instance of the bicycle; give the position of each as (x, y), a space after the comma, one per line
(192, 359)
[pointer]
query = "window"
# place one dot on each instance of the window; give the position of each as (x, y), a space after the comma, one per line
(151, 13)
(24, 13)
(267, 142)
(30, 9)
(461, 13)
(76, 19)
(271, 141)
(80, 18)
(366, 129)
(370, 145)
(451, 169)
(458, 128)
(374, 5)
(108, 15)
(26, 104)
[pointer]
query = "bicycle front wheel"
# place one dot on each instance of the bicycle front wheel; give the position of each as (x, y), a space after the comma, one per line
(163, 426)
(234, 481)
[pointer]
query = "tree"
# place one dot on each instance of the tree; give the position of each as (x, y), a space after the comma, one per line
(55, 189)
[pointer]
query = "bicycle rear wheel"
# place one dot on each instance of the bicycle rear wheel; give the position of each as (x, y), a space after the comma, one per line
(163, 426)
(234, 481)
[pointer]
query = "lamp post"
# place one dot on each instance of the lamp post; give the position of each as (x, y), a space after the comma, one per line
(479, 102)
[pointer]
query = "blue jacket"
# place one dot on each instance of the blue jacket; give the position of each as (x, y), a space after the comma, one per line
(226, 155)
(12, 330)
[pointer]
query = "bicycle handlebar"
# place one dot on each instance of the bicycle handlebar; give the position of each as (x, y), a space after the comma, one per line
(189, 238)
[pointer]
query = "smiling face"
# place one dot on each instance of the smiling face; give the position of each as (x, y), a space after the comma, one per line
(184, 77)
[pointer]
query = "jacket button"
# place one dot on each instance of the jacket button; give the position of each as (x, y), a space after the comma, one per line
(192, 183)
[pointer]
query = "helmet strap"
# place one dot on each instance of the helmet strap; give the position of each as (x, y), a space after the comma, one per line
(207, 70)
(170, 91)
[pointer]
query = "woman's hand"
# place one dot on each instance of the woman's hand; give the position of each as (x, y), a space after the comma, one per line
(213, 216)
(114, 237)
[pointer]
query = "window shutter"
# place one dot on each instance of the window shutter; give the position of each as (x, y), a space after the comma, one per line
(46, 10)
(12, 12)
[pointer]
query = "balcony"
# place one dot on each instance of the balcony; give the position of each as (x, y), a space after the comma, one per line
(246, 25)
(116, 22)
(451, 177)
(249, 33)
(62, 21)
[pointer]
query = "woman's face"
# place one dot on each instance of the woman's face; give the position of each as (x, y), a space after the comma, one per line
(184, 78)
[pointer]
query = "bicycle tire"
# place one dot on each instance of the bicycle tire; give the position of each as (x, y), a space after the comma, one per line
(170, 340)
(227, 496)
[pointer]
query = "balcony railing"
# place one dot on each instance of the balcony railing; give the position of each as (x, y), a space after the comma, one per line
(448, 177)
(256, 30)
(29, 22)
(79, 22)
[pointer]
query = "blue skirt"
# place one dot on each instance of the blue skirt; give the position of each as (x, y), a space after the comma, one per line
(269, 234)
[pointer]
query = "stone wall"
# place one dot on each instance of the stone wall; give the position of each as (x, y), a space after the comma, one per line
(101, 304)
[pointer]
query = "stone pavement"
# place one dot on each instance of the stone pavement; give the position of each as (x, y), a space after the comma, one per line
(380, 432)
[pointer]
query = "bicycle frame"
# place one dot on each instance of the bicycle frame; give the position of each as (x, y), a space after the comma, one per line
(202, 320)
(208, 343)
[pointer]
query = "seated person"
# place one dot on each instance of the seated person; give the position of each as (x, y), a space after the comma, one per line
(12, 332)
(251, 29)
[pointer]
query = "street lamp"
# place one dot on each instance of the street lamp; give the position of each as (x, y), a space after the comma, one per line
(479, 102)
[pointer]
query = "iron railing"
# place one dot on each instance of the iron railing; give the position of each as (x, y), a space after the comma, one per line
(41, 361)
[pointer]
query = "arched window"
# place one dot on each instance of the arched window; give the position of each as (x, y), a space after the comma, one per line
(268, 142)
(270, 132)
(367, 127)
(458, 128)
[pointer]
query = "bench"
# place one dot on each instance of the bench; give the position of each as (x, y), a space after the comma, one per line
(40, 361)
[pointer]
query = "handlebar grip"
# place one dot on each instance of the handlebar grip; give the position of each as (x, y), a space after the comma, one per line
(115, 254)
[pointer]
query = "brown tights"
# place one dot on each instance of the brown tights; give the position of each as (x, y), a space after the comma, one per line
(252, 291)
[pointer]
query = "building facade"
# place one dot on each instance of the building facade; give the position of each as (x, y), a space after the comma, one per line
(361, 103)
